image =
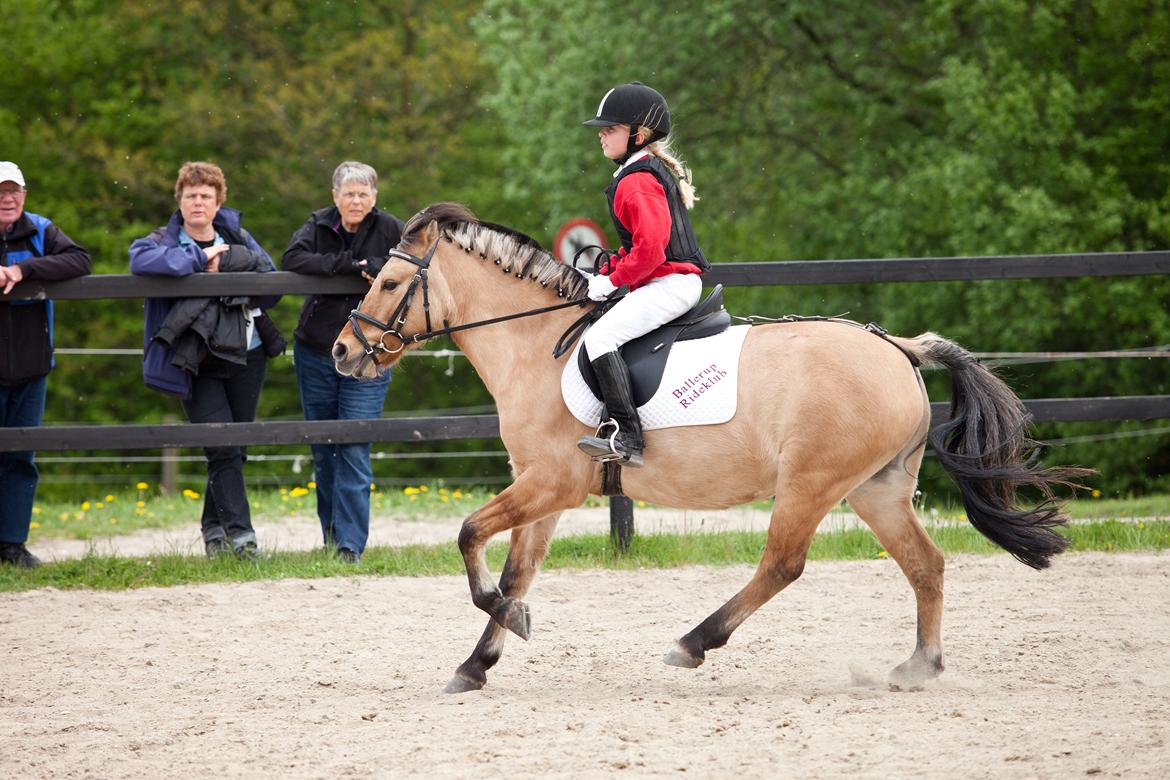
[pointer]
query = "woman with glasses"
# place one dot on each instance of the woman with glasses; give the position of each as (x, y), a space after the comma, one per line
(351, 237)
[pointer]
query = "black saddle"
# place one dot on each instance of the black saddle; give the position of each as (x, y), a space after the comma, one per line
(646, 355)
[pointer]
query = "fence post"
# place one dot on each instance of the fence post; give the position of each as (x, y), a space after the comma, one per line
(169, 468)
(621, 521)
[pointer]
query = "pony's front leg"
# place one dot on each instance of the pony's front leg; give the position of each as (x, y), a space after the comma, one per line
(530, 497)
(527, 549)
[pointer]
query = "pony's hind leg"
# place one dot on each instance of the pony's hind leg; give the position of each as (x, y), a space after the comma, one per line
(885, 503)
(794, 521)
(527, 549)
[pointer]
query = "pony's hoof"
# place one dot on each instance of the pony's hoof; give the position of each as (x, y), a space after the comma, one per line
(461, 684)
(912, 674)
(513, 615)
(680, 657)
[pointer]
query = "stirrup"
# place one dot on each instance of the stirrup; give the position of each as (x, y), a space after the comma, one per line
(604, 449)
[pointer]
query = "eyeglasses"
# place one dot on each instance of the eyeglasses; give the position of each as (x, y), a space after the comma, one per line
(14, 193)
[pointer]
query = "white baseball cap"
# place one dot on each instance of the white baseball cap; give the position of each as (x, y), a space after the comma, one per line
(10, 171)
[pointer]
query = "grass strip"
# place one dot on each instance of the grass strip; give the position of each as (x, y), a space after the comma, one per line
(649, 551)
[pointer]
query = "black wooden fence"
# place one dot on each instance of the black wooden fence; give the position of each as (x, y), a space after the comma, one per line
(421, 429)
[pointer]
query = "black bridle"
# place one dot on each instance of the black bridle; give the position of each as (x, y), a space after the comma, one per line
(392, 327)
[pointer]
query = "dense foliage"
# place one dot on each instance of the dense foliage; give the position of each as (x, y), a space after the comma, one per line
(815, 130)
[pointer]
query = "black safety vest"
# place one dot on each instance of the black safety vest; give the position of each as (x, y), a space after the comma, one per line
(683, 247)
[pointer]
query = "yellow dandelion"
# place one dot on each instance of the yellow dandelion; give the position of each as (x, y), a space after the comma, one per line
(641, 504)
(36, 510)
(191, 494)
(1141, 525)
(142, 486)
(883, 554)
(444, 498)
(297, 492)
(113, 521)
(109, 498)
(1096, 494)
(139, 512)
(312, 486)
(443, 491)
(373, 487)
(139, 504)
(284, 491)
(85, 505)
(423, 488)
(457, 494)
(98, 505)
(410, 491)
(34, 525)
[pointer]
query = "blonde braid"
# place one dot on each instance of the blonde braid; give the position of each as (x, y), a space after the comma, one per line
(686, 188)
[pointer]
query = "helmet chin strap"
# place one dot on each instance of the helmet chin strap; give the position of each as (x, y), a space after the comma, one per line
(632, 145)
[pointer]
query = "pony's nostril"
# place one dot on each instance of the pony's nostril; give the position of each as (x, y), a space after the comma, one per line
(339, 351)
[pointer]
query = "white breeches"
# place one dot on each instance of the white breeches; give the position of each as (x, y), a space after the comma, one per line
(655, 303)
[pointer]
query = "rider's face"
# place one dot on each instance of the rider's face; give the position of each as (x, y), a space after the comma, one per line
(613, 140)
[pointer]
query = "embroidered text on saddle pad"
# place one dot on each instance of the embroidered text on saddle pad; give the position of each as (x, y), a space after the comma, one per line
(698, 386)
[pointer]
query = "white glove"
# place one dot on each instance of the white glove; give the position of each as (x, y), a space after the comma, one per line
(600, 287)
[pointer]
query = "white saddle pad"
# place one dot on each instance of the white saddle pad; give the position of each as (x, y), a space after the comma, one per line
(698, 386)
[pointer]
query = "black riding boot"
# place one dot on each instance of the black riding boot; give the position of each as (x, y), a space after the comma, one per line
(619, 438)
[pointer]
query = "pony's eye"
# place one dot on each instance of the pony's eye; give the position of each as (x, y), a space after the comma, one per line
(389, 286)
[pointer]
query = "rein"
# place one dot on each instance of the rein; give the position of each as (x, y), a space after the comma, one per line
(398, 317)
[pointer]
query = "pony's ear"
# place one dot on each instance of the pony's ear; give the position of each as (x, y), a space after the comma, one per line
(430, 233)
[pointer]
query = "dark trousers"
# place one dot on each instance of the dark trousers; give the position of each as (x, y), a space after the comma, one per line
(20, 406)
(226, 392)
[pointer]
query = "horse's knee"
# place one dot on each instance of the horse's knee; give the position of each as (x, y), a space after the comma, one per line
(468, 535)
(786, 569)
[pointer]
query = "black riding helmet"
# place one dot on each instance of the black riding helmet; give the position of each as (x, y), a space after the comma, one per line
(634, 104)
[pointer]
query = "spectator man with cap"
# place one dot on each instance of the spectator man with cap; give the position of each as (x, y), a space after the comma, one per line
(31, 247)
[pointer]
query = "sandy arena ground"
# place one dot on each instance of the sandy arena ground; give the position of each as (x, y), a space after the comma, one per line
(1057, 674)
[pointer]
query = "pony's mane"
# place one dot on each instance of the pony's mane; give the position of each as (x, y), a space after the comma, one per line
(516, 253)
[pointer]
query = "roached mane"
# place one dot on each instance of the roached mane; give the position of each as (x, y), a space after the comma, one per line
(515, 253)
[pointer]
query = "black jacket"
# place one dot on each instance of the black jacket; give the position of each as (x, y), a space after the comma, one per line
(197, 327)
(26, 327)
(318, 248)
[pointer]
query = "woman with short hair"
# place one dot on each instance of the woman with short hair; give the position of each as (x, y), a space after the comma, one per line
(351, 237)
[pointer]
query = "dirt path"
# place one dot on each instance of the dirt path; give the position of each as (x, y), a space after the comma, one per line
(1057, 674)
(303, 532)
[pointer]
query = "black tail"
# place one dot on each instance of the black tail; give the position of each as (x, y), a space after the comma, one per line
(986, 449)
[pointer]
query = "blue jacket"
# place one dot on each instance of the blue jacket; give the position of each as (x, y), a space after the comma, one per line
(161, 254)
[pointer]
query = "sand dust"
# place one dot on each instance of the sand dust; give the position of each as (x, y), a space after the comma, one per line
(1056, 674)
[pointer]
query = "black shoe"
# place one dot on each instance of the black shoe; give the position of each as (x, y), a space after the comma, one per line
(347, 555)
(216, 548)
(18, 555)
(248, 551)
(619, 438)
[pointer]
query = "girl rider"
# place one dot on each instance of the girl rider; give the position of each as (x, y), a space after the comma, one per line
(659, 260)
